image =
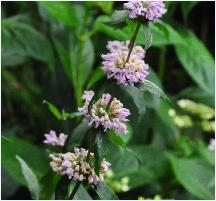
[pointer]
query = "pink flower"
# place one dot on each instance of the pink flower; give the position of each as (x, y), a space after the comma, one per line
(52, 139)
(78, 165)
(116, 65)
(109, 116)
(150, 10)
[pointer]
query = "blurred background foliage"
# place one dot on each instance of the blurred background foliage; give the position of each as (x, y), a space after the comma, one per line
(52, 51)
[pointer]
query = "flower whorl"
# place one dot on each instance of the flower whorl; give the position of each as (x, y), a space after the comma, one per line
(78, 165)
(150, 10)
(106, 112)
(116, 65)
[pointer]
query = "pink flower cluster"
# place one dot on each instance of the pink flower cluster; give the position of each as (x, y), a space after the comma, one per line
(105, 112)
(150, 10)
(116, 65)
(78, 165)
(52, 139)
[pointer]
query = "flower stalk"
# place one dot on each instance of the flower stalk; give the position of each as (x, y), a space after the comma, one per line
(132, 41)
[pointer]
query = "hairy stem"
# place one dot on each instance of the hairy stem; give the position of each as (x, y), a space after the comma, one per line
(76, 187)
(132, 41)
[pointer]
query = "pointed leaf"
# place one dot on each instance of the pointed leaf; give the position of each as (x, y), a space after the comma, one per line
(105, 193)
(153, 88)
(30, 177)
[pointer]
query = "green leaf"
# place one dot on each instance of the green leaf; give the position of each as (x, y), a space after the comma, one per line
(138, 99)
(20, 40)
(116, 139)
(62, 188)
(98, 151)
(148, 169)
(48, 185)
(61, 115)
(194, 175)
(77, 57)
(105, 6)
(53, 109)
(30, 177)
(118, 18)
(61, 11)
(33, 155)
(105, 193)
(197, 61)
(96, 76)
(82, 193)
(154, 89)
(77, 135)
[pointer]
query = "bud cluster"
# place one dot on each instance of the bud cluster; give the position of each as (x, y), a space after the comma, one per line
(78, 165)
(106, 112)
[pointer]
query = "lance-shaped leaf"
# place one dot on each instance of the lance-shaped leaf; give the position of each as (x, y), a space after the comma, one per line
(105, 193)
(99, 152)
(153, 88)
(61, 115)
(30, 177)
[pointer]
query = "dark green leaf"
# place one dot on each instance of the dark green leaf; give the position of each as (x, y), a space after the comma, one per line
(33, 155)
(62, 188)
(197, 61)
(77, 135)
(194, 175)
(105, 193)
(48, 185)
(82, 193)
(138, 99)
(22, 41)
(98, 152)
(30, 178)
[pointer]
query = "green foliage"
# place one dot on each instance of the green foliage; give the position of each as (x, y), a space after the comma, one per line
(30, 177)
(52, 50)
(61, 11)
(152, 88)
(200, 68)
(61, 115)
(105, 193)
(194, 175)
(30, 153)
(22, 41)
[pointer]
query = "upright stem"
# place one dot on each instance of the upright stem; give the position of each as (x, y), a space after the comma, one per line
(162, 63)
(76, 187)
(132, 41)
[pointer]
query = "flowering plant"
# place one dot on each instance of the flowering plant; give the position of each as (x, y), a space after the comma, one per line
(108, 66)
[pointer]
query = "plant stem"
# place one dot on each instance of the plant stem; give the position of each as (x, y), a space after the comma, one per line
(162, 63)
(132, 41)
(76, 187)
